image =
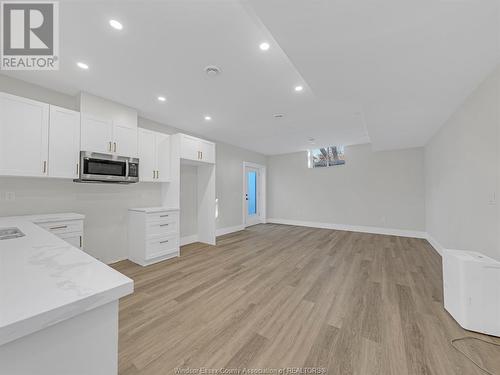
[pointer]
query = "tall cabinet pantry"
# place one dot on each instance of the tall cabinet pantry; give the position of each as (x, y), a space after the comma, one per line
(188, 150)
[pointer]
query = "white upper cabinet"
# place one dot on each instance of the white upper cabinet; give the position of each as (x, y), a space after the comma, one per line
(207, 150)
(163, 157)
(24, 125)
(124, 140)
(147, 155)
(104, 136)
(197, 149)
(190, 149)
(96, 134)
(154, 156)
(64, 143)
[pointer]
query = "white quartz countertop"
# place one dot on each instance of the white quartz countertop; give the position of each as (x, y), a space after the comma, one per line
(153, 209)
(44, 280)
(47, 218)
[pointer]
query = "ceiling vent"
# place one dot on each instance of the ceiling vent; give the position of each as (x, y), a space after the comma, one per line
(279, 115)
(212, 70)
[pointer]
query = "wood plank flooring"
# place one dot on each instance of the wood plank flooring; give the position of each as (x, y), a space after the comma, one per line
(277, 296)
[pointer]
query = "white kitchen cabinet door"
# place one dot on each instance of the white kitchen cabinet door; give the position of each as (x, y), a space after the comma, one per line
(163, 157)
(64, 143)
(207, 150)
(124, 141)
(190, 148)
(96, 135)
(74, 239)
(24, 132)
(147, 155)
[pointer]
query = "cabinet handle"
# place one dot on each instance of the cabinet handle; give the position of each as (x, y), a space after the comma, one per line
(154, 174)
(77, 169)
(163, 215)
(157, 174)
(45, 166)
(201, 152)
(110, 145)
(114, 143)
(59, 227)
(163, 225)
(164, 241)
(80, 241)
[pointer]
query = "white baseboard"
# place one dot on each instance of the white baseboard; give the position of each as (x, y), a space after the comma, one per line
(227, 230)
(352, 228)
(188, 239)
(435, 244)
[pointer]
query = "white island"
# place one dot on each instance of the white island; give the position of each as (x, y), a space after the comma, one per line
(58, 306)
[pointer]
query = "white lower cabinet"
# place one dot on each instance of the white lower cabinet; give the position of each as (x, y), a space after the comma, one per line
(66, 226)
(153, 234)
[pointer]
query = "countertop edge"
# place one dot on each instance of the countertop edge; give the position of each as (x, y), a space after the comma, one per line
(61, 313)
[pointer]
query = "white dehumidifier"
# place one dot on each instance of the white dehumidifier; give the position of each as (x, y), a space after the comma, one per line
(471, 286)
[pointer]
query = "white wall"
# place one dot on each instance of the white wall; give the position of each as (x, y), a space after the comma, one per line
(462, 174)
(188, 200)
(373, 189)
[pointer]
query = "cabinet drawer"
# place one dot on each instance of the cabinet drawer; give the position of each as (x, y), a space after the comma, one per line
(161, 228)
(60, 227)
(162, 216)
(162, 246)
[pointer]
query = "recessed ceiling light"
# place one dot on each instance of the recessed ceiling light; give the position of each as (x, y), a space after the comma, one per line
(212, 70)
(82, 65)
(162, 99)
(208, 118)
(115, 24)
(299, 88)
(264, 46)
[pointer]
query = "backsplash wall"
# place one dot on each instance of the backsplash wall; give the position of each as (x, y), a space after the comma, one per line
(104, 206)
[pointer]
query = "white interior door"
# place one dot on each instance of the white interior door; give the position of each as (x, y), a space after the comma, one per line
(252, 196)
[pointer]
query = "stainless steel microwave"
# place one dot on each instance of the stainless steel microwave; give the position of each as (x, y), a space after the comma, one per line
(96, 167)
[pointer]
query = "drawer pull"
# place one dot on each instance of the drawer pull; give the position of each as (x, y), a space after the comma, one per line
(163, 215)
(164, 241)
(60, 227)
(163, 225)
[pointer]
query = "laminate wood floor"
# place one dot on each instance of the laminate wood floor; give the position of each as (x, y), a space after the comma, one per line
(276, 296)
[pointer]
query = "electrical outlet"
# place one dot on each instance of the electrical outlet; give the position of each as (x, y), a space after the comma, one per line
(493, 199)
(10, 196)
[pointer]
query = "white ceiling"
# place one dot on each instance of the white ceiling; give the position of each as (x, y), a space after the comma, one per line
(389, 72)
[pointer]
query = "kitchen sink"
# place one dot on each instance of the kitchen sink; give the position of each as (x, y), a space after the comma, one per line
(9, 233)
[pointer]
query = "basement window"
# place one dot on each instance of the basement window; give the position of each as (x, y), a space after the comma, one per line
(325, 157)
